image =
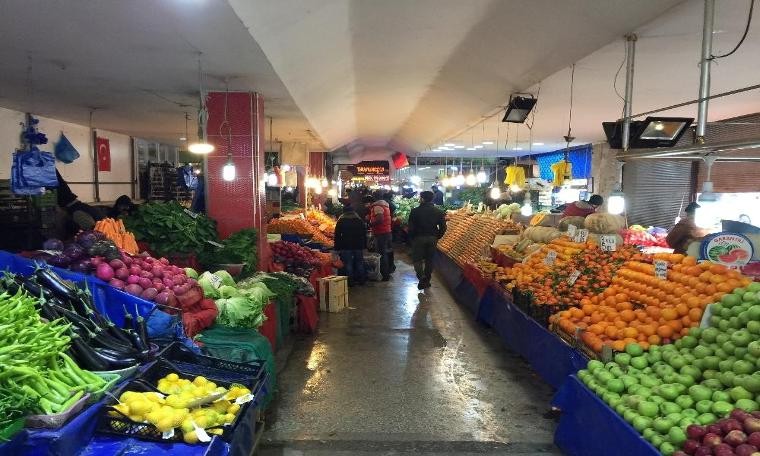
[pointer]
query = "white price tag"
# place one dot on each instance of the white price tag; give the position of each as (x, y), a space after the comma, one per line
(571, 230)
(215, 280)
(608, 243)
(303, 217)
(581, 236)
(201, 433)
(215, 244)
(168, 434)
(244, 398)
(551, 257)
(51, 252)
(573, 277)
(661, 269)
(191, 213)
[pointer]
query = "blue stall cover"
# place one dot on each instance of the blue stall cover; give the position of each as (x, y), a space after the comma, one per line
(583, 412)
(550, 356)
(451, 272)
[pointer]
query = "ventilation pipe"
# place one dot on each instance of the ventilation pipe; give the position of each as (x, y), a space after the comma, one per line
(704, 70)
(630, 51)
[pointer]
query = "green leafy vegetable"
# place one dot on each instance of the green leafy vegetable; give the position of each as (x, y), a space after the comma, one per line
(169, 228)
(239, 248)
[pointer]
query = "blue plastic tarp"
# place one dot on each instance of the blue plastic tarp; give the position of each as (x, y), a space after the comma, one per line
(451, 272)
(584, 413)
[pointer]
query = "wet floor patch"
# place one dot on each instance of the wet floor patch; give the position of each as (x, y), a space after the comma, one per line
(406, 372)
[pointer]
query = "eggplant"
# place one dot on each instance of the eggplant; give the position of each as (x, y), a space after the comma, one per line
(142, 328)
(86, 356)
(128, 320)
(55, 284)
(118, 334)
(117, 362)
(138, 341)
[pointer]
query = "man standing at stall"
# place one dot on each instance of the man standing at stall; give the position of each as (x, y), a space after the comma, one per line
(685, 231)
(381, 224)
(427, 224)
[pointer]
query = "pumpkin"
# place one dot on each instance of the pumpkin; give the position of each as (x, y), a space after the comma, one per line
(604, 223)
(542, 234)
(572, 220)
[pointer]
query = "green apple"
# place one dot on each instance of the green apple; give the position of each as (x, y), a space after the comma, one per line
(633, 389)
(669, 407)
(649, 382)
(711, 362)
(603, 376)
(653, 357)
(657, 440)
(648, 433)
(754, 312)
(735, 311)
(722, 408)
(709, 335)
(632, 400)
(686, 421)
(648, 409)
(753, 326)
(689, 358)
(629, 415)
(738, 392)
(617, 372)
(727, 364)
(639, 362)
(667, 448)
(741, 338)
(703, 406)
(749, 297)
(689, 341)
(699, 393)
(713, 384)
(709, 373)
(728, 347)
(743, 367)
(629, 381)
(667, 391)
(615, 385)
(685, 401)
(753, 287)
(745, 317)
(724, 312)
(724, 325)
(676, 436)
(634, 349)
(640, 423)
(707, 418)
(727, 378)
(644, 392)
(691, 371)
(662, 424)
(741, 352)
(620, 408)
(752, 383)
(622, 358)
(748, 405)
(677, 362)
(729, 300)
(690, 412)
(720, 396)
(722, 338)
(657, 399)
(594, 365)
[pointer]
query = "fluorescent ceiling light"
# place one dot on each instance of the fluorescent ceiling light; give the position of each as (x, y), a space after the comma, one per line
(538, 144)
(477, 147)
(471, 148)
(487, 143)
(449, 144)
(458, 147)
(517, 148)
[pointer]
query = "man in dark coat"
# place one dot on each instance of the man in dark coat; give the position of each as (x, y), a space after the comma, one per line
(350, 241)
(427, 224)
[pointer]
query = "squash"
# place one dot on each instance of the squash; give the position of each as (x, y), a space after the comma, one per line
(605, 223)
(579, 223)
(542, 234)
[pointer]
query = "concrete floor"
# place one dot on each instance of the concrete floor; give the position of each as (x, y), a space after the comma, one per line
(406, 372)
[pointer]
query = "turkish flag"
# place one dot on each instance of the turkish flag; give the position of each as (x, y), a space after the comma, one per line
(104, 154)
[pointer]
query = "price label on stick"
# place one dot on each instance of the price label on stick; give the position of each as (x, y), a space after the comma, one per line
(551, 257)
(661, 269)
(581, 235)
(573, 277)
(215, 280)
(608, 243)
(244, 398)
(191, 213)
(571, 231)
(215, 244)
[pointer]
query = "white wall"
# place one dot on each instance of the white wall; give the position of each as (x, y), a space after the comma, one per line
(82, 168)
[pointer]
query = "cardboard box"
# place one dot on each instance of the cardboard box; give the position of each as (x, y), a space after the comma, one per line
(333, 293)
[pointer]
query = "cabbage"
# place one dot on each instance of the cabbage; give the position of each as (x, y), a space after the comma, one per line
(226, 291)
(245, 310)
(206, 282)
(226, 277)
(192, 273)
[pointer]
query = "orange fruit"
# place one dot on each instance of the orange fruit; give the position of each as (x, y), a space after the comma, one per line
(664, 331)
(669, 314)
(618, 345)
(682, 309)
(695, 314)
(654, 339)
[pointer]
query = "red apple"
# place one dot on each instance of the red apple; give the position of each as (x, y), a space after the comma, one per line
(745, 450)
(754, 439)
(714, 429)
(730, 425)
(695, 431)
(679, 453)
(739, 414)
(690, 446)
(751, 425)
(735, 438)
(711, 439)
(723, 449)
(703, 451)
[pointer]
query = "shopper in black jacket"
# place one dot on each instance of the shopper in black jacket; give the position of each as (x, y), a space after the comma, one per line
(427, 224)
(350, 241)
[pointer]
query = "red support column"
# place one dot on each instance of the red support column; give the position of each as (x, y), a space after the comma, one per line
(237, 118)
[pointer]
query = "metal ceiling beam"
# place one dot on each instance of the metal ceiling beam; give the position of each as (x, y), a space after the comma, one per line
(696, 149)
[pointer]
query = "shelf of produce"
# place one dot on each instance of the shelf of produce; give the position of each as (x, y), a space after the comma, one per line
(588, 426)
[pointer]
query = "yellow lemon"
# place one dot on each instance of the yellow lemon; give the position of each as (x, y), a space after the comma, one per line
(229, 418)
(153, 417)
(200, 381)
(172, 377)
(122, 408)
(221, 406)
(202, 421)
(127, 396)
(137, 418)
(216, 431)
(190, 437)
(233, 409)
(187, 426)
(165, 424)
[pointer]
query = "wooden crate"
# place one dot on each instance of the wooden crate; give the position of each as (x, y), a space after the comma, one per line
(333, 293)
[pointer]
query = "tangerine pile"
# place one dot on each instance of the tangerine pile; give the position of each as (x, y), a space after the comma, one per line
(641, 308)
(534, 269)
(469, 235)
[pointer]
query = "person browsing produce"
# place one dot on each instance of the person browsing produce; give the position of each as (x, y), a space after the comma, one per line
(437, 195)
(685, 231)
(427, 224)
(350, 240)
(583, 208)
(381, 224)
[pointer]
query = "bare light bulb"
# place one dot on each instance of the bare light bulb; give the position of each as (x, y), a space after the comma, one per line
(228, 171)
(495, 193)
(526, 210)
(200, 148)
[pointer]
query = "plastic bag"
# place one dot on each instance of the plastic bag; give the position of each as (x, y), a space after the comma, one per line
(65, 151)
(32, 171)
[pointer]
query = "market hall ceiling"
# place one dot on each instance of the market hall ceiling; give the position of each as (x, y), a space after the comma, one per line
(405, 73)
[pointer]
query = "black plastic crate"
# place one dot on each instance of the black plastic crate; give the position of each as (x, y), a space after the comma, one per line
(121, 425)
(228, 370)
